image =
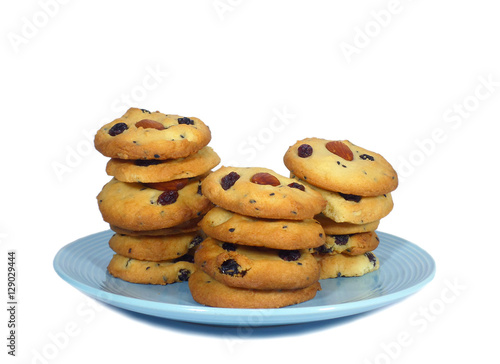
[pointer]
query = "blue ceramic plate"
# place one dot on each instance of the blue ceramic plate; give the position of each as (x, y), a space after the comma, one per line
(404, 269)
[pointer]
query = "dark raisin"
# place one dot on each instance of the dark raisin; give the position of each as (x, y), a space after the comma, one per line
(199, 190)
(252, 201)
(305, 150)
(186, 121)
(167, 198)
(371, 258)
(232, 268)
(196, 241)
(229, 180)
(184, 274)
(289, 255)
(144, 111)
(117, 129)
(341, 239)
(366, 157)
(232, 230)
(146, 163)
(157, 156)
(297, 185)
(324, 249)
(130, 250)
(230, 247)
(353, 198)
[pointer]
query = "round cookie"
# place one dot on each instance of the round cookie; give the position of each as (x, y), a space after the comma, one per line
(146, 272)
(256, 268)
(134, 206)
(141, 134)
(343, 228)
(185, 227)
(352, 208)
(262, 193)
(208, 291)
(231, 227)
(340, 265)
(155, 248)
(341, 166)
(353, 244)
(196, 164)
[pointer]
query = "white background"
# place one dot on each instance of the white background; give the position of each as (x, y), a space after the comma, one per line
(402, 78)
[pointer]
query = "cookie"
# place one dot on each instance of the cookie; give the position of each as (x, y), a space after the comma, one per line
(257, 268)
(146, 272)
(262, 193)
(196, 164)
(341, 166)
(134, 206)
(185, 227)
(209, 292)
(340, 265)
(353, 244)
(342, 228)
(231, 227)
(353, 208)
(141, 134)
(155, 248)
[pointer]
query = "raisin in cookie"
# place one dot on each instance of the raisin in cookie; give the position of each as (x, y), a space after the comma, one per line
(340, 265)
(352, 244)
(261, 192)
(138, 207)
(256, 268)
(146, 272)
(140, 170)
(155, 248)
(141, 134)
(341, 166)
(231, 227)
(354, 209)
(209, 292)
(343, 228)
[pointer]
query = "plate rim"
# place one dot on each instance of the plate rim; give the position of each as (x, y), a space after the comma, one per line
(214, 315)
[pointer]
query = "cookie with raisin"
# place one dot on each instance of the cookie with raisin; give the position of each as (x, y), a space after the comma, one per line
(155, 248)
(141, 134)
(341, 166)
(342, 228)
(141, 207)
(262, 193)
(353, 209)
(196, 164)
(147, 272)
(350, 244)
(256, 268)
(210, 292)
(231, 227)
(341, 265)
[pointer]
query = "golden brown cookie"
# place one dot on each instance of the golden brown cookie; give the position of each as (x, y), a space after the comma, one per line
(136, 207)
(262, 193)
(352, 208)
(342, 228)
(185, 227)
(341, 166)
(231, 227)
(256, 268)
(141, 134)
(208, 291)
(352, 244)
(340, 265)
(196, 164)
(146, 272)
(155, 248)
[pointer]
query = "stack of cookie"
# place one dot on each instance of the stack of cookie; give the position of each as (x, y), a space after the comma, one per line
(356, 184)
(154, 200)
(259, 235)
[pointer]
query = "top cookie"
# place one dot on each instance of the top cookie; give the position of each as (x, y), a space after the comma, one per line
(141, 134)
(261, 192)
(341, 166)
